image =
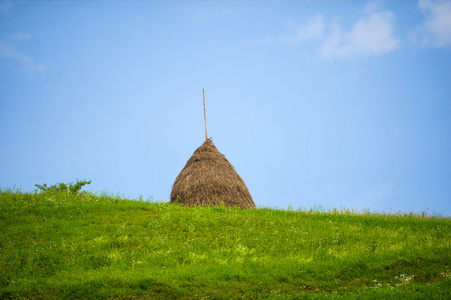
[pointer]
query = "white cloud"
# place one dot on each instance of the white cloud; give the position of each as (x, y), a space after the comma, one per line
(27, 63)
(437, 26)
(372, 35)
(313, 29)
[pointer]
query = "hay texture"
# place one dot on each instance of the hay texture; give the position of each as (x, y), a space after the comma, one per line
(208, 178)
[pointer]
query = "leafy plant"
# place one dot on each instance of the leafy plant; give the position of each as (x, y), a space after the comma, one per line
(62, 187)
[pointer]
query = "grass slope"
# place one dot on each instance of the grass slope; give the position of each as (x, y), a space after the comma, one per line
(61, 246)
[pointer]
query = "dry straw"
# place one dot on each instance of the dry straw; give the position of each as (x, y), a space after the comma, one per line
(209, 179)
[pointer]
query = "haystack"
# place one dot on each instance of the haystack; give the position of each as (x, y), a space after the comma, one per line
(208, 178)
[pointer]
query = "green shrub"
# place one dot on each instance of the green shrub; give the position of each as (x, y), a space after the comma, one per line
(64, 188)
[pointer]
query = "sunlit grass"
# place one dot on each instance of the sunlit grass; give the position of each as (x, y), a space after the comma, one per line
(61, 246)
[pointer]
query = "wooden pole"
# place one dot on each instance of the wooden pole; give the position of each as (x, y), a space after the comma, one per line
(205, 116)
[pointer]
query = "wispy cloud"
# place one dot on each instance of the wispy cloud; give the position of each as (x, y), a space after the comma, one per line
(373, 34)
(378, 191)
(26, 62)
(436, 29)
(337, 187)
(20, 36)
(298, 33)
(4, 7)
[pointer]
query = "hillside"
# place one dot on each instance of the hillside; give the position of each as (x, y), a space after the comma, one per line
(62, 246)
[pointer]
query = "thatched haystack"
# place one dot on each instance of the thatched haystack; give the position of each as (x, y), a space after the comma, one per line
(208, 178)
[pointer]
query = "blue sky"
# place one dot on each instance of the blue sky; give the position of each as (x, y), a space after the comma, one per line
(339, 104)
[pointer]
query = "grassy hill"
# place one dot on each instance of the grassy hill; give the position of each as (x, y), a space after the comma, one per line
(62, 246)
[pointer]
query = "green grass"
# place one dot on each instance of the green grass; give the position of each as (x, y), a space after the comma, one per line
(62, 246)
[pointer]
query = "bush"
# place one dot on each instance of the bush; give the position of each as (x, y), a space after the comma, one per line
(62, 187)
